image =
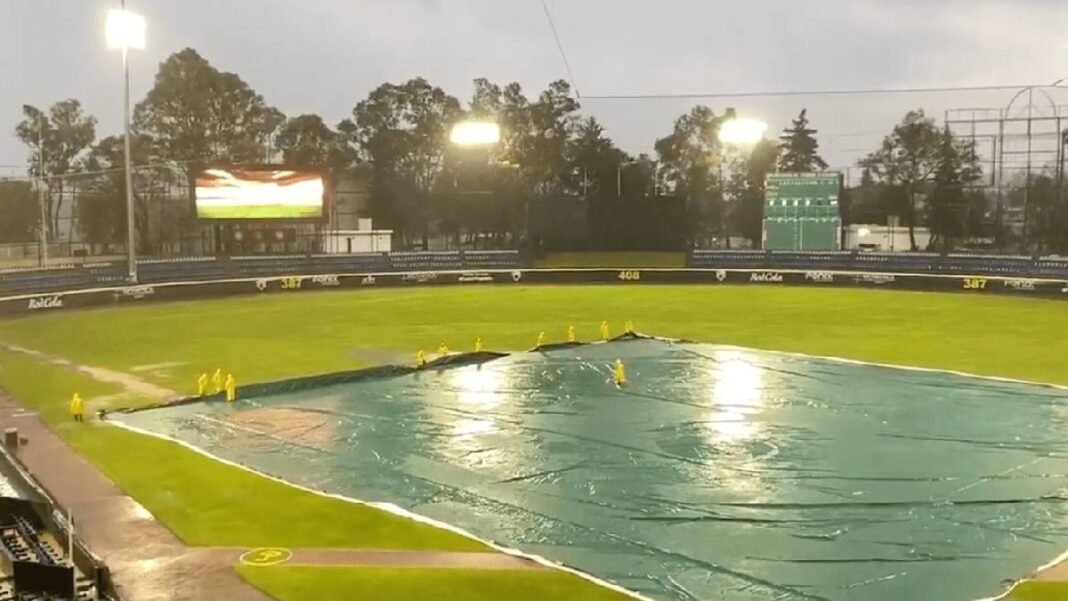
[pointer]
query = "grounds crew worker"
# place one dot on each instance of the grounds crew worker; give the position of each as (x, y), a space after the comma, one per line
(217, 381)
(231, 388)
(77, 408)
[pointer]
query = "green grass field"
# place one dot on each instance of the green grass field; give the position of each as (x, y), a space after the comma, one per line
(276, 211)
(275, 336)
(1040, 591)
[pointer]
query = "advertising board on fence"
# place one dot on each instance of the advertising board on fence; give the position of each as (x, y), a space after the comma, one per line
(290, 284)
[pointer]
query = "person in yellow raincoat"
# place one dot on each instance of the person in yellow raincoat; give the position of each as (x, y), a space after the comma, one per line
(217, 381)
(604, 330)
(202, 384)
(77, 408)
(570, 333)
(231, 388)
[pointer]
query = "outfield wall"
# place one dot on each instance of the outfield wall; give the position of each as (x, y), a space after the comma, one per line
(29, 304)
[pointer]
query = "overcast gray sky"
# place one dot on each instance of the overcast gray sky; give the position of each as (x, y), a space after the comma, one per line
(322, 56)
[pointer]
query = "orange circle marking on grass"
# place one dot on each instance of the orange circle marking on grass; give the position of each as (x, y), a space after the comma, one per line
(265, 557)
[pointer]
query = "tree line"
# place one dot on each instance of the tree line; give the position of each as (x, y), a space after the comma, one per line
(421, 186)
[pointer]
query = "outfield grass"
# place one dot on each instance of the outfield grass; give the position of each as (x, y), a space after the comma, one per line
(279, 335)
(1040, 591)
(299, 583)
(613, 260)
(276, 336)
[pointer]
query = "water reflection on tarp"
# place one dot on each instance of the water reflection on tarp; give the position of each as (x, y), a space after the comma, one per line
(716, 473)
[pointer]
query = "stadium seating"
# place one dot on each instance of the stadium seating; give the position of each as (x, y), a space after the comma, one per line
(994, 265)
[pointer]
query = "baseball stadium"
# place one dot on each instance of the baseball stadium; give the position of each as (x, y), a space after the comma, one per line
(793, 335)
(468, 434)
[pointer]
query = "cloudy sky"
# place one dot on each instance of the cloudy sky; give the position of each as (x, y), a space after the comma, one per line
(323, 56)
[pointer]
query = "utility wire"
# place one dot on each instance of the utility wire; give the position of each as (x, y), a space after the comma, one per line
(76, 174)
(560, 47)
(837, 92)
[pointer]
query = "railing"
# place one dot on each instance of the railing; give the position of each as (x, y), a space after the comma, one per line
(154, 271)
(933, 263)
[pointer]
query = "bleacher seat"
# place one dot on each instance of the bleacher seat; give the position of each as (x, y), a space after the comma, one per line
(964, 264)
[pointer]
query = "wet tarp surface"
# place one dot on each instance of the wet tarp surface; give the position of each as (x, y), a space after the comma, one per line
(715, 473)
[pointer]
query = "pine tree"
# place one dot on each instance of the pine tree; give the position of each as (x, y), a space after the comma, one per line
(800, 148)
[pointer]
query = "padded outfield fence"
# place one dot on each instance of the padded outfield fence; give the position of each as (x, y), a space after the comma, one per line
(103, 296)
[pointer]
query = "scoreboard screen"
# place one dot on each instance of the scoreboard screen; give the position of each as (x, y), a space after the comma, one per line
(801, 211)
(262, 193)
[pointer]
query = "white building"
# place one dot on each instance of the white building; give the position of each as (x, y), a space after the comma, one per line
(884, 238)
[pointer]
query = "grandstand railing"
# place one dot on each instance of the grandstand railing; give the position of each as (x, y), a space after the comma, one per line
(156, 271)
(933, 263)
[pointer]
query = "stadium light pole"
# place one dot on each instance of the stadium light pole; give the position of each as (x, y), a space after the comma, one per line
(740, 132)
(474, 134)
(125, 30)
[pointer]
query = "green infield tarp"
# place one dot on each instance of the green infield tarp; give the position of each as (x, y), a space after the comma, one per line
(714, 474)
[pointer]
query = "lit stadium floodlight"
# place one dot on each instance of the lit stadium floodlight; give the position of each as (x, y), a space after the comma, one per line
(475, 133)
(742, 131)
(125, 30)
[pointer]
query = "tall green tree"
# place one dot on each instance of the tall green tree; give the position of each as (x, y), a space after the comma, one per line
(957, 165)
(800, 149)
(1044, 205)
(306, 141)
(909, 158)
(749, 189)
(597, 174)
(57, 139)
(402, 130)
(690, 166)
(198, 114)
(550, 124)
(101, 209)
(20, 214)
(535, 134)
(509, 107)
(595, 161)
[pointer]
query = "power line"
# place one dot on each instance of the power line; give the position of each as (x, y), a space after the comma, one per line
(834, 92)
(77, 174)
(560, 47)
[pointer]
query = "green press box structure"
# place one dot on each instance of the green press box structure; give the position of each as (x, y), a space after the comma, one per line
(801, 212)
